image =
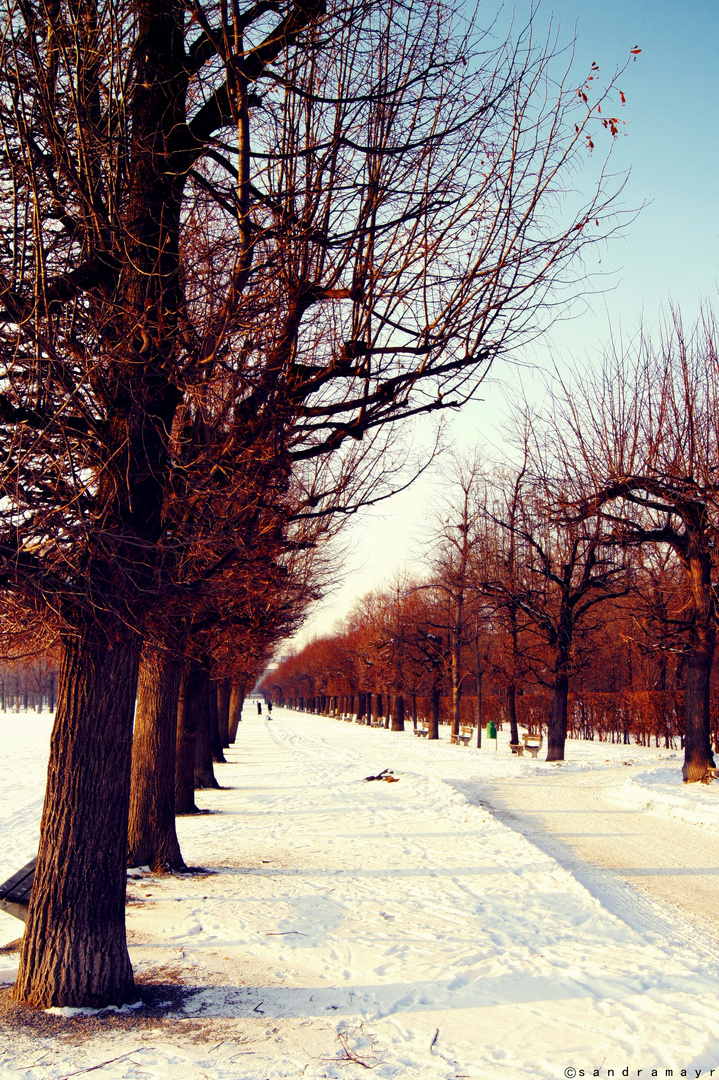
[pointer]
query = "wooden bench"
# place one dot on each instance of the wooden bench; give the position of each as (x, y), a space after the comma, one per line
(423, 731)
(457, 739)
(15, 892)
(377, 723)
(533, 744)
(517, 748)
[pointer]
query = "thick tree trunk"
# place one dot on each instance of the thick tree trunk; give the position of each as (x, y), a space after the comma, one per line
(398, 713)
(215, 737)
(187, 717)
(204, 772)
(511, 709)
(698, 755)
(361, 707)
(152, 838)
(698, 659)
(433, 727)
(74, 950)
(223, 711)
(557, 729)
(237, 700)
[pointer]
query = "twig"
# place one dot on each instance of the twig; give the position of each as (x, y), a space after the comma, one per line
(284, 933)
(104, 1063)
(434, 1040)
(256, 1008)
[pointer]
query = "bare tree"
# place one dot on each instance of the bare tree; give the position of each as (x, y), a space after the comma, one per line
(643, 437)
(452, 572)
(333, 218)
(560, 572)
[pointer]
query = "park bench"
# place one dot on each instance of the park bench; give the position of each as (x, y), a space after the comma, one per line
(517, 748)
(422, 731)
(377, 723)
(15, 892)
(533, 744)
(460, 739)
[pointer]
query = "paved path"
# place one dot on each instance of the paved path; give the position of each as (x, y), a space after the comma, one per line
(575, 819)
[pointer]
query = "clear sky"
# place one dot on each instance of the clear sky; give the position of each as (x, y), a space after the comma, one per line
(670, 253)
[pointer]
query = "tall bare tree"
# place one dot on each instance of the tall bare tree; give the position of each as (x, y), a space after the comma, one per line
(642, 440)
(332, 216)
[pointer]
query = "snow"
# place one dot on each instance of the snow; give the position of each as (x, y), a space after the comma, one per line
(662, 791)
(427, 928)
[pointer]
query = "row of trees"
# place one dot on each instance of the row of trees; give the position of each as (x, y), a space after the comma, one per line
(28, 685)
(238, 244)
(591, 562)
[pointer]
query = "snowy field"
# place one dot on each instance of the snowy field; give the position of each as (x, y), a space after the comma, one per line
(347, 928)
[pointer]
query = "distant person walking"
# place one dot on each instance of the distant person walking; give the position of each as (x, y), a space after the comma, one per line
(259, 708)
(269, 708)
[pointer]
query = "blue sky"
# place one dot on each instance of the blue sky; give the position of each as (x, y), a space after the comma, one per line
(669, 145)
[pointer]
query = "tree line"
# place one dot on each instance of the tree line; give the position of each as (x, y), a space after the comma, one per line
(241, 248)
(27, 685)
(588, 564)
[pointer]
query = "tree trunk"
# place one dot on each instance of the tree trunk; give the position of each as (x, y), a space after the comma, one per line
(187, 717)
(204, 773)
(216, 739)
(511, 710)
(398, 713)
(74, 951)
(456, 674)
(557, 729)
(479, 704)
(698, 659)
(152, 837)
(237, 700)
(378, 710)
(223, 711)
(433, 727)
(361, 706)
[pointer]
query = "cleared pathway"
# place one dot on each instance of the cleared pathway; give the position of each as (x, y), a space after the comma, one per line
(574, 819)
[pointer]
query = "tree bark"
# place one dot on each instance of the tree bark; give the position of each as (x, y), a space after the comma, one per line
(557, 728)
(152, 837)
(204, 772)
(398, 713)
(187, 717)
(479, 704)
(433, 726)
(74, 951)
(511, 709)
(212, 712)
(456, 671)
(698, 755)
(237, 700)
(223, 711)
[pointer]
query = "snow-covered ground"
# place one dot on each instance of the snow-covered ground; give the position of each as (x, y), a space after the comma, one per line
(405, 929)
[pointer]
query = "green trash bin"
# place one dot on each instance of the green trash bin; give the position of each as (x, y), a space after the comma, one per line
(491, 730)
